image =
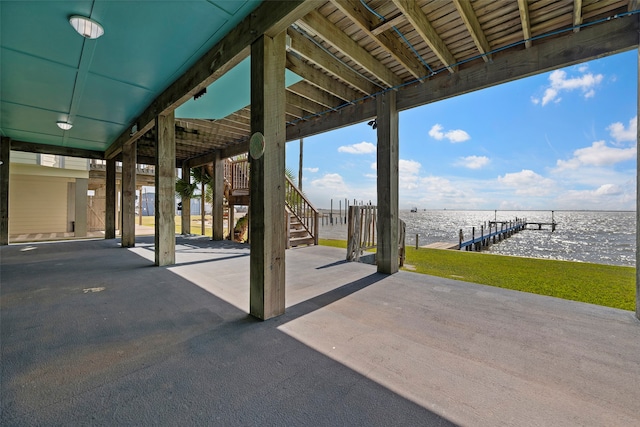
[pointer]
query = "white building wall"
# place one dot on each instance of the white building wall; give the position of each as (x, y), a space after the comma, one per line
(37, 204)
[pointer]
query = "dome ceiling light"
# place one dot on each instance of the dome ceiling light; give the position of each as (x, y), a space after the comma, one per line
(64, 125)
(86, 27)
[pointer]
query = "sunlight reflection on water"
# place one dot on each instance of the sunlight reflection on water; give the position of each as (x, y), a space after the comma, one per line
(587, 236)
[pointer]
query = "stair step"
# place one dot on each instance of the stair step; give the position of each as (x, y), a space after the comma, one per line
(298, 233)
(299, 241)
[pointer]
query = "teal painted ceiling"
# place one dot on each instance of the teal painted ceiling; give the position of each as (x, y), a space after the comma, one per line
(48, 72)
(226, 95)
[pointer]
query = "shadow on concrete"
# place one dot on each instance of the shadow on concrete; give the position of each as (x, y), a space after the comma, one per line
(146, 347)
(333, 264)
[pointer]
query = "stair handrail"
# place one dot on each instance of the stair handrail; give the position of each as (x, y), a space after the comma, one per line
(302, 208)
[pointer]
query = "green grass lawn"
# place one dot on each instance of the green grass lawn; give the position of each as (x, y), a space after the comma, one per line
(605, 285)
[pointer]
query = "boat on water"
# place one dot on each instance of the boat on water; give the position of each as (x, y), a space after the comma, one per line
(414, 209)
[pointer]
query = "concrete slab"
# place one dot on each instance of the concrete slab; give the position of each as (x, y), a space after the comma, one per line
(95, 334)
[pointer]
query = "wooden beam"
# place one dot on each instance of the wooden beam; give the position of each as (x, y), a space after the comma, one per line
(110, 200)
(304, 103)
(57, 150)
(421, 24)
(577, 14)
(308, 50)
(365, 20)
(165, 224)
(608, 38)
(5, 159)
(387, 163)
(388, 23)
(320, 79)
(267, 208)
(269, 17)
(128, 204)
(470, 19)
(345, 116)
(311, 92)
(321, 26)
(523, 7)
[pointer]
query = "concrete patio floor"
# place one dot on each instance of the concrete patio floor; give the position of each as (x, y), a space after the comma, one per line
(95, 334)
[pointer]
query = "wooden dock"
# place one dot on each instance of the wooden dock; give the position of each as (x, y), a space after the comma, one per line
(491, 232)
(494, 233)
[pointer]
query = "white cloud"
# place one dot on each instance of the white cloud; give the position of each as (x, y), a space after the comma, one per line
(312, 170)
(559, 82)
(360, 148)
(599, 154)
(408, 173)
(330, 180)
(456, 135)
(606, 196)
(622, 134)
(527, 183)
(472, 162)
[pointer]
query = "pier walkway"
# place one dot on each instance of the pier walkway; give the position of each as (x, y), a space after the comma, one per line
(120, 342)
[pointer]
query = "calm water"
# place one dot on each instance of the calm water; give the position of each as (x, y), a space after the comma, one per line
(599, 237)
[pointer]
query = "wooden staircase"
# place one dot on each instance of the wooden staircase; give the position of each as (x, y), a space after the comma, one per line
(301, 216)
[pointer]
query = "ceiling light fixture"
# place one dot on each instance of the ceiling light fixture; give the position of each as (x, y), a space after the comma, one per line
(64, 125)
(86, 27)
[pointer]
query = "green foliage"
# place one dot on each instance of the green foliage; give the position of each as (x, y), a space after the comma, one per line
(187, 190)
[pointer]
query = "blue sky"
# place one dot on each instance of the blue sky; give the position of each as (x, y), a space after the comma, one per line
(559, 140)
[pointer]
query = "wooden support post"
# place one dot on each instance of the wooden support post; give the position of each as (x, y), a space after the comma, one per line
(5, 159)
(267, 180)
(388, 160)
(81, 202)
(231, 220)
(217, 222)
(129, 195)
(165, 180)
(186, 204)
(110, 200)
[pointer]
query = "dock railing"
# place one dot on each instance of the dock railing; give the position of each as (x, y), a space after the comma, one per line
(495, 232)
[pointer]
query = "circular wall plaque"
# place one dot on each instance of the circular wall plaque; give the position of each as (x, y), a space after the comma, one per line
(256, 145)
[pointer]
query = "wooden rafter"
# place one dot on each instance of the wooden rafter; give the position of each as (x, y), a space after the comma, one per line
(523, 7)
(321, 26)
(418, 19)
(365, 20)
(320, 79)
(388, 23)
(577, 15)
(316, 95)
(471, 22)
(306, 104)
(308, 50)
